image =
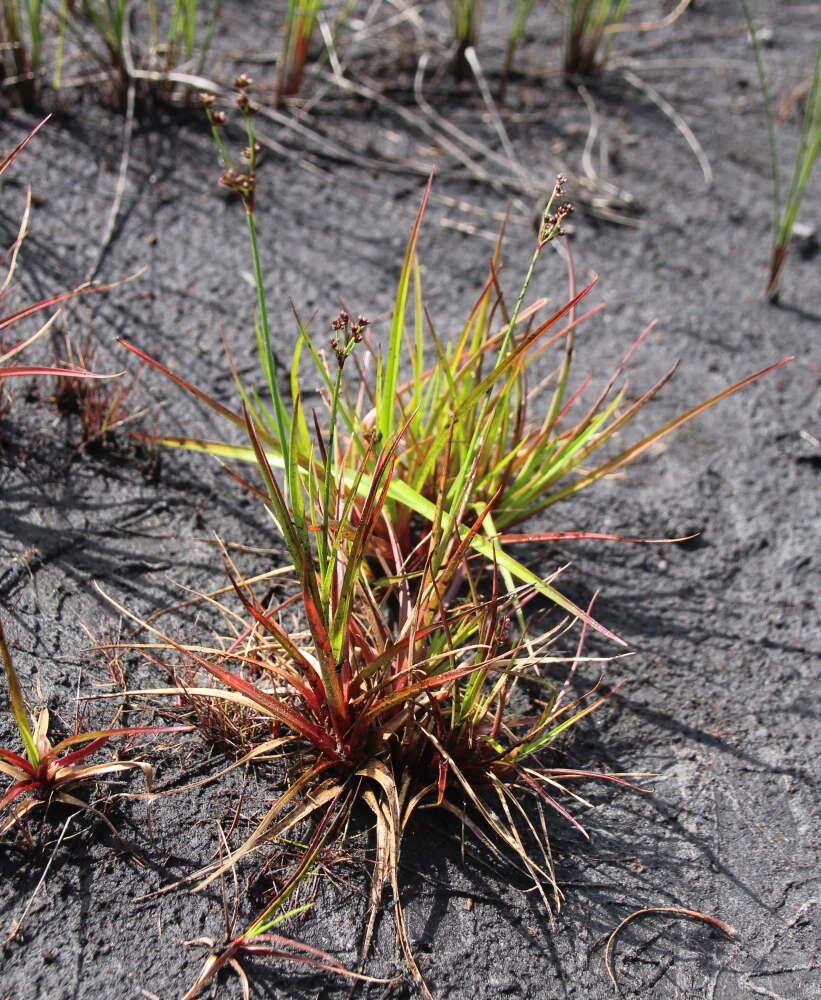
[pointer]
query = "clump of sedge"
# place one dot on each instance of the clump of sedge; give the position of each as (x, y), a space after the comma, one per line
(396, 507)
(396, 696)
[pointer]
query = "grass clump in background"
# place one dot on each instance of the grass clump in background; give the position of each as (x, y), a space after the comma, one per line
(786, 206)
(67, 44)
(587, 25)
(467, 17)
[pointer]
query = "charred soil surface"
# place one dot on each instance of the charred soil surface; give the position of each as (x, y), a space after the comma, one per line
(722, 695)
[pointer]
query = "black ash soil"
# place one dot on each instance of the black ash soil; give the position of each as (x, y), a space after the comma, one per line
(721, 700)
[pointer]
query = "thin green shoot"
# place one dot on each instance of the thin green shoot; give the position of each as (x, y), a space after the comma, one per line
(785, 208)
(467, 16)
(301, 19)
(518, 24)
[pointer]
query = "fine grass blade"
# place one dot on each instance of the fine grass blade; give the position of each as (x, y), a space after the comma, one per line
(268, 918)
(10, 157)
(18, 705)
(386, 392)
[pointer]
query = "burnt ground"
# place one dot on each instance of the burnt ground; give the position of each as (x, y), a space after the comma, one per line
(721, 700)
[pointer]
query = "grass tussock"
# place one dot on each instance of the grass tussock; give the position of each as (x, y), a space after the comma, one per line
(398, 686)
(400, 702)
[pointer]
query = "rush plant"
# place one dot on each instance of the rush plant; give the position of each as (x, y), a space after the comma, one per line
(469, 440)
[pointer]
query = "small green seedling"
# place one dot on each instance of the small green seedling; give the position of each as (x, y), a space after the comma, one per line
(46, 773)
